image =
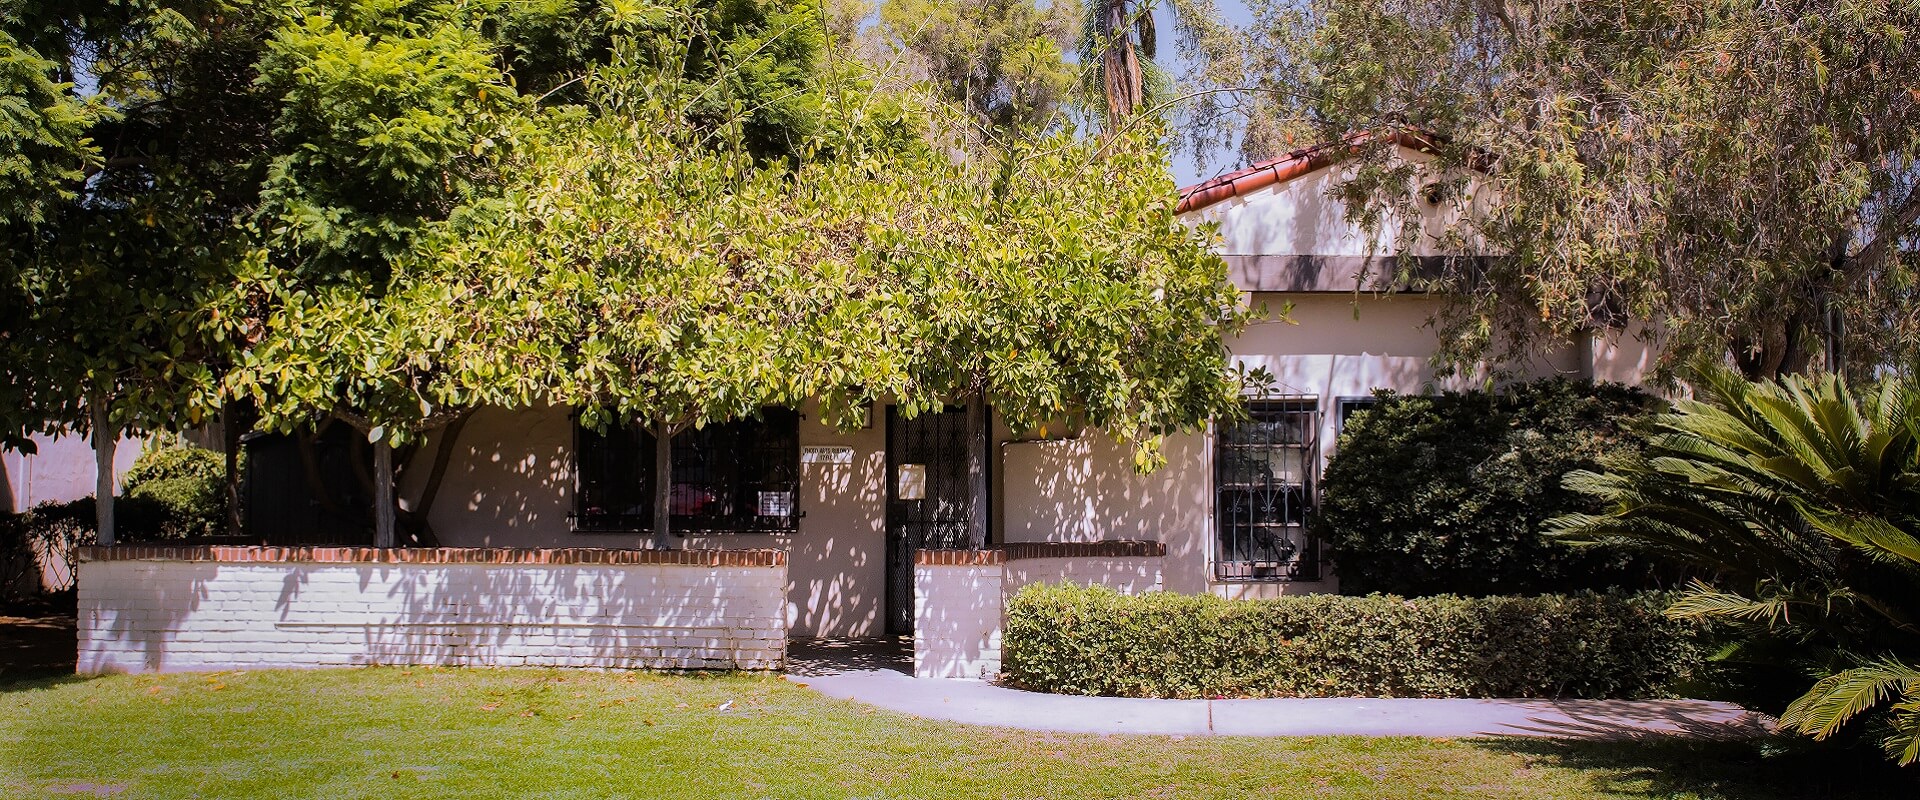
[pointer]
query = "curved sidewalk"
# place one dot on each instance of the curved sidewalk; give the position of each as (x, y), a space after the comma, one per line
(979, 703)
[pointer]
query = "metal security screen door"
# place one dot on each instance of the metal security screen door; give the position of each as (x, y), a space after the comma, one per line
(1263, 478)
(928, 498)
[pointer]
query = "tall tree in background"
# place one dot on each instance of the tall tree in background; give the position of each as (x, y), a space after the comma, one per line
(1121, 54)
(1743, 173)
(1001, 63)
(1120, 41)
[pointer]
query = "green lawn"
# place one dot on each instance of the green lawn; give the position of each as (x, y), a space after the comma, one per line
(393, 733)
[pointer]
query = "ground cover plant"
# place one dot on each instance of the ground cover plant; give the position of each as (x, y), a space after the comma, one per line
(1093, 640)
(409, 733)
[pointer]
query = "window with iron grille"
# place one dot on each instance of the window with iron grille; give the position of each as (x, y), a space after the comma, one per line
(732, 477)
(1263, 470)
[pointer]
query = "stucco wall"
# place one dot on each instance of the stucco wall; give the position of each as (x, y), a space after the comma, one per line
(960, 609)
(60, 470)
(1298, 217)
(1086, 490)
(175, 615)
(510, 484)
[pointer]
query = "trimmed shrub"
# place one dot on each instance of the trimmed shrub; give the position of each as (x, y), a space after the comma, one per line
(1095, 641)
(1448, 494)
(188, 482)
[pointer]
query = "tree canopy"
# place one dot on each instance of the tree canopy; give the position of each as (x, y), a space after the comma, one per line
(1742, 173)
(391, 213)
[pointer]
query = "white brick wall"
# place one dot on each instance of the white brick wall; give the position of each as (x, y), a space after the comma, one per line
(1123, 575)
(956, 621)
(169, 616)
(960, 611)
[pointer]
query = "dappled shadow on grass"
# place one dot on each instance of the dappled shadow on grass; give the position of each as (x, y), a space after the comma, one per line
(1762, 768)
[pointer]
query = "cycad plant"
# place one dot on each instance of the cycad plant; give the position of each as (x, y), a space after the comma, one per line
(1799, 501)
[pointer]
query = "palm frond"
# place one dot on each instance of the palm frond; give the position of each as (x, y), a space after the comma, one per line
(1838, 698)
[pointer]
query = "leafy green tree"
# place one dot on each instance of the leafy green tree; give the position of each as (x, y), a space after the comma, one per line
(1742, 173)
(106, 276)
(1799, 498)
(642, 267)
(390, 118)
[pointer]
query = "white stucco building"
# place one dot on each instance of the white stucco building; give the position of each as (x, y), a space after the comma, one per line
(865, 522)
(515, 474)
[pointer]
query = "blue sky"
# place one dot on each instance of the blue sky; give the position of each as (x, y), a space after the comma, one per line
(1184, 171)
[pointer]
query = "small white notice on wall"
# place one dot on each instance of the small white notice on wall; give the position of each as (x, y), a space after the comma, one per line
(826, 454)
(776, 504)
(913, 482)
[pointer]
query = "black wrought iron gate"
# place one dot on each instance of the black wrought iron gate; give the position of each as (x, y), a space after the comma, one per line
(928, 499)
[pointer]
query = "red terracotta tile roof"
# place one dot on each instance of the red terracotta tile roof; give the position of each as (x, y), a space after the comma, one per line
(1280, 170)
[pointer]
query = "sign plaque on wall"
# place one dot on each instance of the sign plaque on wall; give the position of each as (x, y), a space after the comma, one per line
(826, 454)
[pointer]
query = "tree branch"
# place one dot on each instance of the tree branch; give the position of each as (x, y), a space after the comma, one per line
(1871, 256)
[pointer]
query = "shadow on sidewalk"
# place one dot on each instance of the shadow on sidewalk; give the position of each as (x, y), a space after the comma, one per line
(814, 657)
(1616, 720)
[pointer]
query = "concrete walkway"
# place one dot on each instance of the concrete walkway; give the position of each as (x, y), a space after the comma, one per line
(978, 703)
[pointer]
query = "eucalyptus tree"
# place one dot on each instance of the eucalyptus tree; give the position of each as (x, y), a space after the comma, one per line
(1004, 64)
(1742, 173)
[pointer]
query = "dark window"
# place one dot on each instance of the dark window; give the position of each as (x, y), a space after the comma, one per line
(1350, 406)
(309, 488)
(727, 478)
(1263, 471)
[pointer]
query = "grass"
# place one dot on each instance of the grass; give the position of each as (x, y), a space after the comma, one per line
(400, 733)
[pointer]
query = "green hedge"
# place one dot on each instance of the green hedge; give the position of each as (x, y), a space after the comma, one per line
(1094, 641)
(188, 482)
(1447, 494)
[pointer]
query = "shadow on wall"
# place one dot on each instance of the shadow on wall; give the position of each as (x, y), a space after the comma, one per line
(837, 563)
(577, 616)
(508, 482)
(177, 615)
(131, 612)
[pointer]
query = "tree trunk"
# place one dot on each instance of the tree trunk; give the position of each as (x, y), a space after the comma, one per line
(383, 506)
(105, 439)
(662, 485)
(979, 447)
(1119, 65)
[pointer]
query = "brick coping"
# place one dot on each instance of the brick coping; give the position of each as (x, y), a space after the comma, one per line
(434, 555)
(1003, 553)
